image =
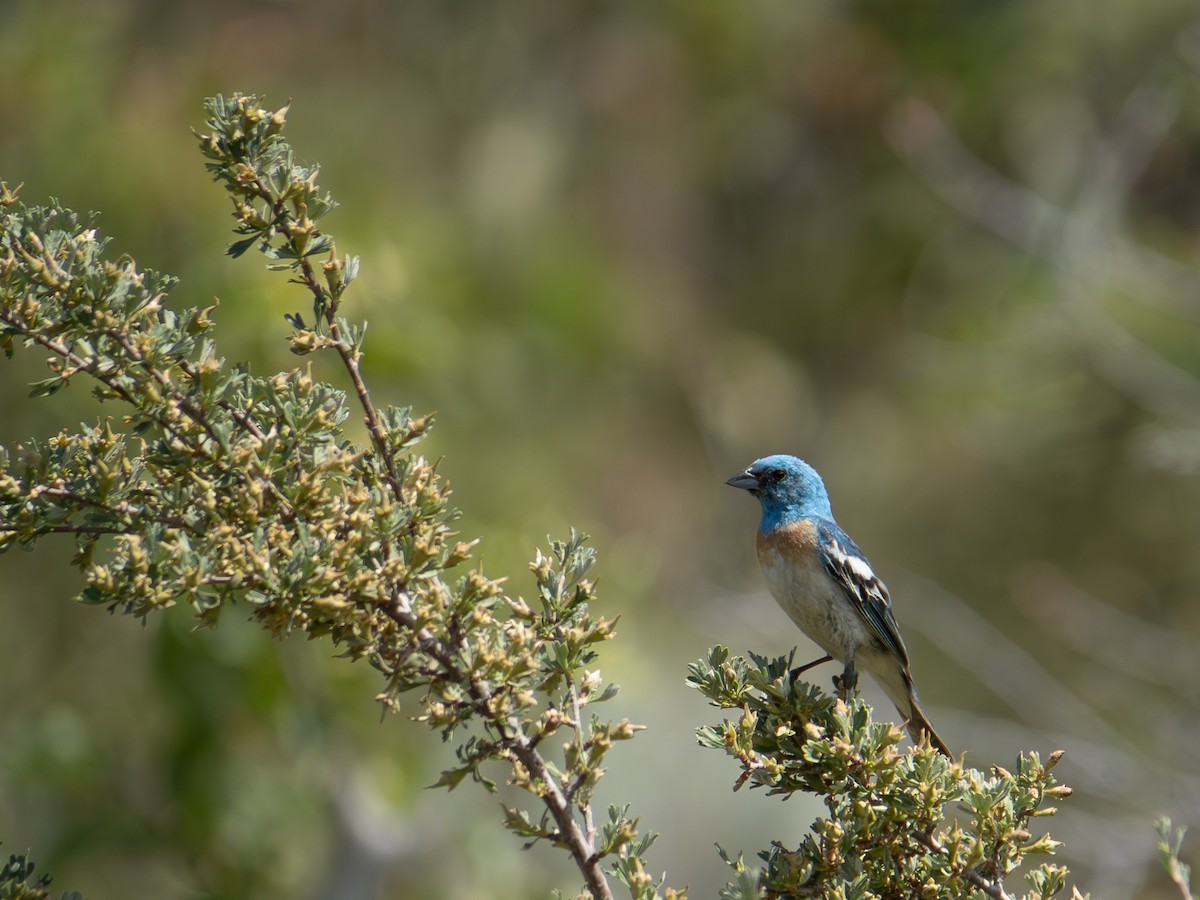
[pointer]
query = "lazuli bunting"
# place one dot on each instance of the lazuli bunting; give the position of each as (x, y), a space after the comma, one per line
(825, 584)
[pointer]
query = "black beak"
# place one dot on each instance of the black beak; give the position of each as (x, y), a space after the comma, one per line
(744, 480)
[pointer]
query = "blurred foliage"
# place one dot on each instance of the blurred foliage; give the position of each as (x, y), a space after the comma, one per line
(18, 882)
(945, 252)
(1168, 853)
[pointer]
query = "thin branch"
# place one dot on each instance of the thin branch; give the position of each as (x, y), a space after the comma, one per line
(579, 844)
(1083, 246)
(239, 415)
(370, 414)
(124, 508)
(350, 361)
(89, 366)
(195, 413)
(1029, 221)
(589, 825)
(70, 529)
(325, 302)
(559, 805)
(1177, 878)
(995, 891)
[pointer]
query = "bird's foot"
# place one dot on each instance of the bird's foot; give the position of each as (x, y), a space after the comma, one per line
(848, 682)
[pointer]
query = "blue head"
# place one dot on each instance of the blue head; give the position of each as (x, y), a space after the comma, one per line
(788, 489)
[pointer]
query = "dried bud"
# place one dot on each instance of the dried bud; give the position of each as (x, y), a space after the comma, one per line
(278, 119)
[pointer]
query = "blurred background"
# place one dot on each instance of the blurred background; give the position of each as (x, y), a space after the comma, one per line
(946, 252)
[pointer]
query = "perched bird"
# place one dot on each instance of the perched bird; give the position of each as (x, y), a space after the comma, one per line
(823, 581)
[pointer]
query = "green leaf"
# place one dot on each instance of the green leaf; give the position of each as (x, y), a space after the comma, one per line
(46, 388)
(451, 778)
(237, 248)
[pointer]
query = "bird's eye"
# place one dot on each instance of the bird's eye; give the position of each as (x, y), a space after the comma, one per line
(778, 474)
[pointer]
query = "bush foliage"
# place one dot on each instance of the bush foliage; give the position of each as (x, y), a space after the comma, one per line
(212, 487)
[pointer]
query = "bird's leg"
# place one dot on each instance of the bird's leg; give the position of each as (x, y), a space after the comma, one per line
(849, 680)
(800, 670)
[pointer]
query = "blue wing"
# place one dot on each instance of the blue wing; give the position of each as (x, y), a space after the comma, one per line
(850, 569)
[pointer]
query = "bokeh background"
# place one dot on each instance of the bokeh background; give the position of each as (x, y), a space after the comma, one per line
(947, 252)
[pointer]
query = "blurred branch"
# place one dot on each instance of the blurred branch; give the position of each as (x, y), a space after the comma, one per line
(1002, 665)
(1168, 849)
(1102, 258)
(1083, 246)
(1097, 630)
(1147, 773)
(372, 840)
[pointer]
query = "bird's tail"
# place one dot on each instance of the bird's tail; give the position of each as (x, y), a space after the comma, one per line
(897, 683)
(918, 725)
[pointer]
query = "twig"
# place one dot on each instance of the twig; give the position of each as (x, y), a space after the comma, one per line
(124, 508)
(1178, 880)
(995, 891)
(589, 825)
(197, 413)
(85, 365)
(580, 845)
(70, 529)
(371, 416)
(1083, 246)
(349, 360)
(1029, 221)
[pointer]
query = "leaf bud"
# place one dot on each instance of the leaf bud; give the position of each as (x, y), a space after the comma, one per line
(334, 271)
(278, 119)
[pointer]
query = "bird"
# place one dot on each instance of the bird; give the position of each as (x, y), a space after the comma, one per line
(826, 585)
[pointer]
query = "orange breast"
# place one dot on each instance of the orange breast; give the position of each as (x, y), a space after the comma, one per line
(794, 544)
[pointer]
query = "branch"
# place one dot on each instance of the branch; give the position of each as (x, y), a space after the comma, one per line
(327, 304)
(123, 509)
(1083, 246)
(577, 715)
(995, 891)
(71, 529)
(581, 846)
(371, 416)
(1029, 221)
(582, 850)
(89, 366)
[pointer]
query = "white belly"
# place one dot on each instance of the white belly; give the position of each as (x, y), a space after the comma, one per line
(823, 612)
(818, 607)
